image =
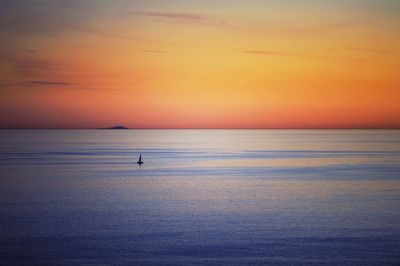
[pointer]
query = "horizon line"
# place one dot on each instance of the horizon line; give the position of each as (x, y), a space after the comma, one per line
(210, 128)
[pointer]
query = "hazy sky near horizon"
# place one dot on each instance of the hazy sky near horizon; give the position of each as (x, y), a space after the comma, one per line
(200, 64)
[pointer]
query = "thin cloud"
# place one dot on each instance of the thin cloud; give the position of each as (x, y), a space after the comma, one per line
(265, 52)
(64, 84)
(171, 15)
(301, 28)
(368, 50)
(193, 18)
(363, 50)
(104, 34)
(154, 51)
(33, 67)
(327, 27)
(45, 82)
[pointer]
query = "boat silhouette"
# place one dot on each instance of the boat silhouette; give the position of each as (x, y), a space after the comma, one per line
(140, 162)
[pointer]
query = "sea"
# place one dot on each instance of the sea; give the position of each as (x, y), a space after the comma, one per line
(202, 197)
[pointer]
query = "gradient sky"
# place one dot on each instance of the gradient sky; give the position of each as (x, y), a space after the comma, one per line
(200, 64)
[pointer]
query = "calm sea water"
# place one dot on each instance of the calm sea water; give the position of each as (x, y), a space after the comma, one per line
(212, 197)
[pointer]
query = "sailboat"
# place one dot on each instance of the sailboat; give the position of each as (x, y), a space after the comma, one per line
(140, 162)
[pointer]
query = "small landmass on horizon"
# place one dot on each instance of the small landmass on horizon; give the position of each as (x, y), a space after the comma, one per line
(115, 127)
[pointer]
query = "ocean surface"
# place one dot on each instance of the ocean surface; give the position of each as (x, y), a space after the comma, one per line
(202, 197)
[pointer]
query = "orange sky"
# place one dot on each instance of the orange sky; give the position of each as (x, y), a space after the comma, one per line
(192, 64)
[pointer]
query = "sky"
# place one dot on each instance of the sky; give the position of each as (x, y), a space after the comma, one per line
(200, 64)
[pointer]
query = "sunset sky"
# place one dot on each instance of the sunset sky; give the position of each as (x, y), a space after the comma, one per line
(200, 64)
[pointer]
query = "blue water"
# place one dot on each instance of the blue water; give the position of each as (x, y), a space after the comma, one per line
(202, 197)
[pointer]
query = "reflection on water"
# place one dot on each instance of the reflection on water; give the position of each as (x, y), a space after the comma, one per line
(202, 197)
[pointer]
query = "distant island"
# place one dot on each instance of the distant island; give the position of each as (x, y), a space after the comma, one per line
(115, 127)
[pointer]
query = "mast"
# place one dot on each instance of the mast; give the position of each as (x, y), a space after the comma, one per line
(140, 160)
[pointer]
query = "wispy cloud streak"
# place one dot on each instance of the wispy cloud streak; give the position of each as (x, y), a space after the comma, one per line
(43, 82)
(181, 16)
(192, 18)
(265, 52)
(154, 51)
(63, 84)
(369, 50)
